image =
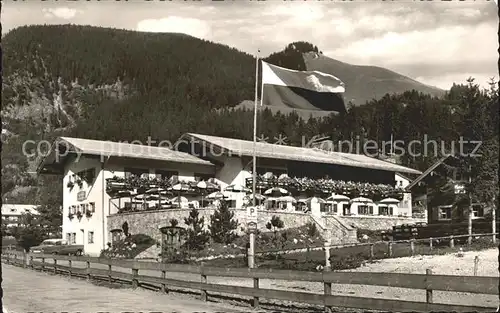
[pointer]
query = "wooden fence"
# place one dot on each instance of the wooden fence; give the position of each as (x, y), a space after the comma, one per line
(427, 282)
(430, 242)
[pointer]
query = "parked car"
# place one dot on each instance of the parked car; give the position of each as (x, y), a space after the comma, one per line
(57, 246)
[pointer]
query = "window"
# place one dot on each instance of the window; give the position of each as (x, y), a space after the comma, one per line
(92, 207)
(73, 238)
(165, 174)
(334, 208)
(445, 212)
(477, 210)
(68, 237)
(346, 209)
(135, 171)
(201, 176)
(363, 210)
(91, 237)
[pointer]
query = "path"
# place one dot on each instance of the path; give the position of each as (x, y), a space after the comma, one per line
(29, 291)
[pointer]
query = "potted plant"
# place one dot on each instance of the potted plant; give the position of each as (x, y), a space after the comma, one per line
(80, 183)
(71, 215)
(88, 214)
(70, 185)
(79, 215)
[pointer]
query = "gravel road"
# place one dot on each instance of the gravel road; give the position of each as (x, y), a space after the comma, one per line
(30, 291)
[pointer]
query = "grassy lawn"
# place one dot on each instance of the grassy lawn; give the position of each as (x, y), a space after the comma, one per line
(349, 257)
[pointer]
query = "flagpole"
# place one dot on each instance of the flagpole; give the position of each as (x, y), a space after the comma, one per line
(251, 252)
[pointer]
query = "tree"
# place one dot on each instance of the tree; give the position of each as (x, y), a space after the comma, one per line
(275, 225)
(223, 224)
(197, 237)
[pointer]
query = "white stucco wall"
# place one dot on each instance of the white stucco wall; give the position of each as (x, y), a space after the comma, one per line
(405, 206)
(93, 194)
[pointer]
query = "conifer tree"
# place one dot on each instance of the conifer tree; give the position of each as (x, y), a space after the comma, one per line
(223, 224)
(197, 237)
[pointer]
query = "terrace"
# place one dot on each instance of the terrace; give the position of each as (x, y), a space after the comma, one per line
(143, 194)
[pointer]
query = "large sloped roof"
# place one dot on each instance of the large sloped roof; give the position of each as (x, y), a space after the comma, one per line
(240, 147)
(120, 149)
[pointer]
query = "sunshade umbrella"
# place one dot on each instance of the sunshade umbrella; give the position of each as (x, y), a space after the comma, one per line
(217, 195)
(155, 194)
(156, 190)
(203, 186)
(236, 188)
(389, 201)
(338, 198)
(257, 197)
(276, 192)
(179, 200)
(180, 187)
(362, 200)
(287, 199)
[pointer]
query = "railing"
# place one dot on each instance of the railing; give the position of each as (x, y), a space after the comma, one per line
(428, 282)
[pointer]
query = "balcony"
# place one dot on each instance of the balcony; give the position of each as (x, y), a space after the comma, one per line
(328, 186)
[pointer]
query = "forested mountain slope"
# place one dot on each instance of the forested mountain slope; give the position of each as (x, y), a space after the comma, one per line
(121, 85)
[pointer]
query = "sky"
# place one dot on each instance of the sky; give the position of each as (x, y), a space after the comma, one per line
(437, 43)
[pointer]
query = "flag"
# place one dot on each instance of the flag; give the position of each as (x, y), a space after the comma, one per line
(307, 90)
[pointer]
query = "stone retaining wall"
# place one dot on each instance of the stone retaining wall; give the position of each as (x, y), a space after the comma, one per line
(378, 222)
(149, 222)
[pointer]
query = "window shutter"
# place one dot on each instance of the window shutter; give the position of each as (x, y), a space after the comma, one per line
(371, 209)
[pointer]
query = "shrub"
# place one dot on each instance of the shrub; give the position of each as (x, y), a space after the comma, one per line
(129, 247)
(312, 230)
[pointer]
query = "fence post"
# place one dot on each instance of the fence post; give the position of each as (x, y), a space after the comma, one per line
(135, 273)
(88, 270)
(389, 246)
(70, 263)
(55, 266)
(255, 302)
(327, 254)
(494, 224)
(25, 259)
(452, 242)
(327, 292)
(372, 254)
(109, 273)
(163, 285)
(31, 262)
(476, 261)
(428, 290)
(15, 259)
(43, 264)
(430, 243)
(203, 281)
(412, 247)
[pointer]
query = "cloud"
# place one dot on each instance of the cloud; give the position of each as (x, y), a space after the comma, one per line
(176, 24)
(447, 80)
(61, 12)
(442, 45)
